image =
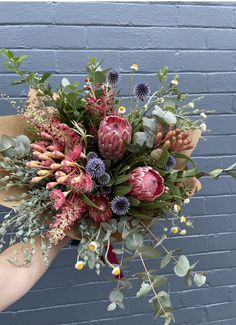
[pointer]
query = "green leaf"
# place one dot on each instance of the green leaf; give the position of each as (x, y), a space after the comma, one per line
(99, 77)
(87, 200)
(162, 74)
(111, 307)
(199, 279)
(121, 179)
(166, 259)
(134, 241)
(45, 76)
(162, 161)
(154, 205)
(158, 280)
(133, 201)
(91, 261)
(182, 266)
(140, 138)
(169, 105)
(121, 190)
(148, 252)
(133, 148)
(116, 296)
(144, 289)
(17, 82)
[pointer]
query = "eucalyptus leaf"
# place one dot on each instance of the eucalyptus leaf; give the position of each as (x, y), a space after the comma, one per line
(182, 266)
(144, 289)
(199, 279)
(166, 259)
(148, 252)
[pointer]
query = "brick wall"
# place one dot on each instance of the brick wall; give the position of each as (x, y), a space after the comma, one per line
(198, 41)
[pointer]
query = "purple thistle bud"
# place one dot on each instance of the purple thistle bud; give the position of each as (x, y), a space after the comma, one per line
(104, 179)
(171, 162)
(92, 155)
(95, 167)
(113, 77)
(141, 90)
(105, 189)
(120, 205)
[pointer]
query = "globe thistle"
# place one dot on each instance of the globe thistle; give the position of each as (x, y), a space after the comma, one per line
(171, 162)
(104, 179)
(141, 90)
(113, 77)
(120, 205)
(104, 189)
(95, 167)
(92, 155)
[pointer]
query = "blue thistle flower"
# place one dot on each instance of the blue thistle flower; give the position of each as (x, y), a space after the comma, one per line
(171, 162)
(95, 167)
(105, 189)
(104, 179)
(113, 77)
(92, 155)
(141, 90)
(120, 205)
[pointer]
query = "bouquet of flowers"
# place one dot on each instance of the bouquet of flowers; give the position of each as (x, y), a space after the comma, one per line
(76, 162)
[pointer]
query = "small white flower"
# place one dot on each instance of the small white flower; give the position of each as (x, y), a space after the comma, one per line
(183, 219)
(186, 201)
(183, 232)
(203, 115)
(174, 82)
(177, 208)
(93, 246)
(116, 271)
(121, 110)
(203, 127)
(79, 265)
(191, 105)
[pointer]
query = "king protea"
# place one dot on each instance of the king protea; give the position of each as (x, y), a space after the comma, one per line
(147, 184)
(112, 133)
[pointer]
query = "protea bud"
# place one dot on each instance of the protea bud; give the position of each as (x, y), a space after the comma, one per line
(112, 133)
(103, 212)
(147, 184)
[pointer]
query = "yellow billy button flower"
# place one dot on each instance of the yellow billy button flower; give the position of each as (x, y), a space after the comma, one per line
(121, 110)
(116, 271)
(183, 219)
(93, 246)
(174, 82)
(134, 67)
(174, 230)
(79, 265)
(177, 208)
(183, 232)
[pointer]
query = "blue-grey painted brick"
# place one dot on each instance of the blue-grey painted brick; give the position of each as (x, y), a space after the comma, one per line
(208, 296)
(140, 14)
(221, 311)
(86, 13)
(191, 316)
(207, 60)
(222, 277)
(21, 12)
(177, 38)
(117, 37)
(221, 39)
(206, 16)
(222, 82)
(218, 204)
(51, 37)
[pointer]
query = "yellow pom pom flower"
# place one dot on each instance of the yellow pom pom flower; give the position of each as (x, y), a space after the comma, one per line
(134, 67)
(93, 246)
(174, 230)
(79, 265)
(116, 271)
(183, 232)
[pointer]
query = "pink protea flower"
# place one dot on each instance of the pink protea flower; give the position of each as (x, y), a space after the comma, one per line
(147, 184)
(112, 132)
(103, 213)
(58, 197)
